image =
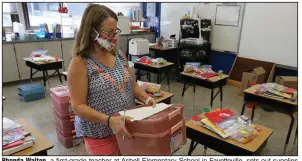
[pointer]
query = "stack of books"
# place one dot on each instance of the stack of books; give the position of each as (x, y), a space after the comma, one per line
(14, 137)
(227, 125)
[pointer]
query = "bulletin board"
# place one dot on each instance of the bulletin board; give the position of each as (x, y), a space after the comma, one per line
(227, 15)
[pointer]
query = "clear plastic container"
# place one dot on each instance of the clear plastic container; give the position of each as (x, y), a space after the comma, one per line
(64, 108)
(60, 93)
(160, 134)
(68, 141)
(64, 125)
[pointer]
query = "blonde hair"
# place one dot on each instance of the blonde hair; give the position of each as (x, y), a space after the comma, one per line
(93, 17)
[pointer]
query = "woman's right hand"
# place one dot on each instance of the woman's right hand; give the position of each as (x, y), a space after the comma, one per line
(117, 125)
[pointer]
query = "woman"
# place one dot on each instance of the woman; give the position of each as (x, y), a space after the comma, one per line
(101, 83)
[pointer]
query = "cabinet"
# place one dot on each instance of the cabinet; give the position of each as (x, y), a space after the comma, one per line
(10, 67)
(54, 49)
(23, 50)
(67, 52)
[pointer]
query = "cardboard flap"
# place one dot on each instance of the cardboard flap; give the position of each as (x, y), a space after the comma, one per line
(289, 78)
(259, 70)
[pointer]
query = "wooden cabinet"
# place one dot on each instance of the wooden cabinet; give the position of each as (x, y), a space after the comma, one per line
(67, 52)
(10, 67)
(23, 50)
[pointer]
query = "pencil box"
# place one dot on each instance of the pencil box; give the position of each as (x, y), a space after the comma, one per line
(160, 134)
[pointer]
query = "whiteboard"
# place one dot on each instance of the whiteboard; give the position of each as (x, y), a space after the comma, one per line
(227, 15)
(269, 33)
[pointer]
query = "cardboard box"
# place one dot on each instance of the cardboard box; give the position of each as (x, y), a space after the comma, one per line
(287, 81)
(256, 75)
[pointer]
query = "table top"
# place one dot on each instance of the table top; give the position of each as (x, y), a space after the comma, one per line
(29, 60)
(212, 79)
(157, 100)
(252, 90)
(167, 64)
(161, 48)
(251, 146)
(41, 143)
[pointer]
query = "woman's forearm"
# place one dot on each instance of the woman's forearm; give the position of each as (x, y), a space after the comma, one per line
(90, 114)
(140, 94)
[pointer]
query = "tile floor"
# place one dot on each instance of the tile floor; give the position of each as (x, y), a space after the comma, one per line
(39, 114)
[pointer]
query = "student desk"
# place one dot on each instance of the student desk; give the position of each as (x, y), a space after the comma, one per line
(41, 144)
(44, 67)
(215, 82)
(201, 135)
(154, 69)
(281, 105)
(165, 99)
(169, 53)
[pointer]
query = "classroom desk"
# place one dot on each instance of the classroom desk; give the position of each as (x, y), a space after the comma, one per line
(281, 105)
(169, 53)
(41, 144)
(201, 135)
(154, 69)
(165, 99)
(215, 82)
(44, 67)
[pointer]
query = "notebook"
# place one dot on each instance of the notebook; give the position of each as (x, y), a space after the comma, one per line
(27, 143)
(219, 116)
(9, 125)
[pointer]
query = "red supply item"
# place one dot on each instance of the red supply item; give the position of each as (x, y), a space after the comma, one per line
(289, 90)
(20, 142)
(249, 105)
(62, 108)
(208, 75)
(218, 116)
(144, 61)
(159, 134)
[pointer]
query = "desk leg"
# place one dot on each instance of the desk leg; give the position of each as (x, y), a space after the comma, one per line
(289, 132)
(168, 81)
(59, 76)
(138, 77)
(192, 147)
(158, 78)
(31, 74)
(149, 77)
(253, 112)
(194, 95)
(221, 97)
(44, 78)
(243, 108)
(212, 93)
(47, 77)
(296, 135)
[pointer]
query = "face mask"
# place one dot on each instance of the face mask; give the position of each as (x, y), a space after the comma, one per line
(105, 43)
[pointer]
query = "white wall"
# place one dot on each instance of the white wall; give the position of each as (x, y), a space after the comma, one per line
(269, 33)
(170, 17)
(223, 38)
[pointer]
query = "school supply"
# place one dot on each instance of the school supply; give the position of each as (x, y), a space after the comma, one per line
(161, 133)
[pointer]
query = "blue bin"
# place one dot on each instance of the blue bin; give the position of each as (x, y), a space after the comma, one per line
(31, 92)
(49, 36)
(58, 35)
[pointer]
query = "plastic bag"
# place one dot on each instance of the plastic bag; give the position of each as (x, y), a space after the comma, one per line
(38, 53)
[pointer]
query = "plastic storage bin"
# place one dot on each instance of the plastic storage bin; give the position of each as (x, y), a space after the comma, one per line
(64, 125)
(68, 140)
(60, 93)
(160, 134)
(31, 92)
(63, 108)
(63, 116)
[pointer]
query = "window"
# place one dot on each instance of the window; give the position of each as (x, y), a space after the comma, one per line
(40, 13)
(10, 14)
(7, 20)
